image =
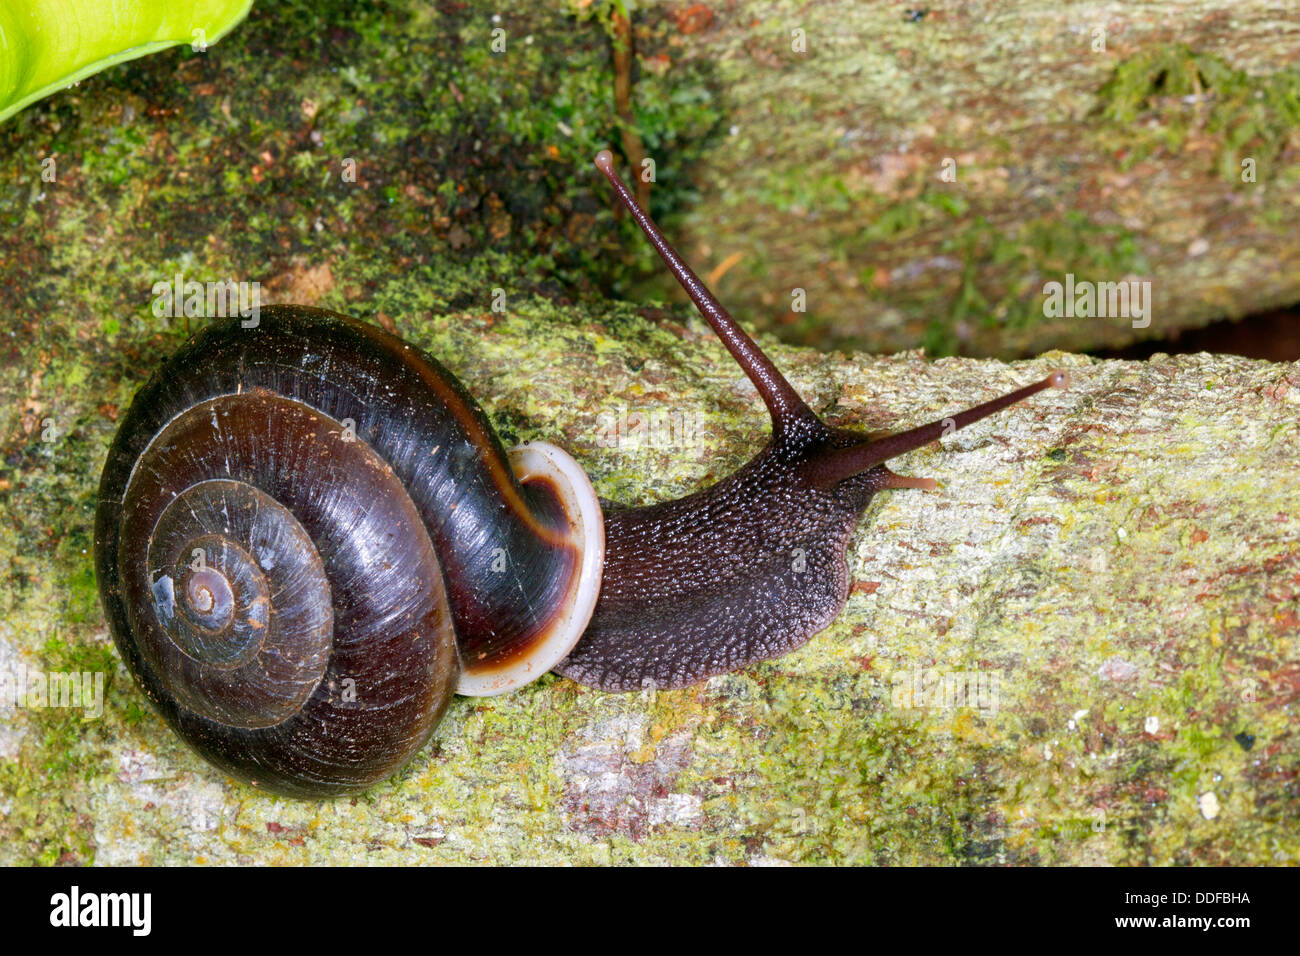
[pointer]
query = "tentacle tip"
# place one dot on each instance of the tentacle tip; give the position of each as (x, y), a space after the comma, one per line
(605, 160)
(1059, 379)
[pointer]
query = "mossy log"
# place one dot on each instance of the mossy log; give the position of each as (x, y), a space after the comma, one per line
(1081, 648)
(854, 175)
(922, 174)
(1111, 574)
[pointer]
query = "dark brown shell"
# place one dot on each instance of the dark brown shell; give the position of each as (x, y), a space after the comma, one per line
(345, 497)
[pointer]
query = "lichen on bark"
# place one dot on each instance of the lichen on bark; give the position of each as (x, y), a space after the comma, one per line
(921, 178)
(1115, 568)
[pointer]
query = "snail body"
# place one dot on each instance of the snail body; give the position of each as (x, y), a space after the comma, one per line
(308, 539)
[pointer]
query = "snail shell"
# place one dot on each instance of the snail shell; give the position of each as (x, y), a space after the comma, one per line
(308, 538)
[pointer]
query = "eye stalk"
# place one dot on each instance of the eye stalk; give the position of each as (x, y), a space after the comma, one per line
(787, 409)
(842, 463)
(789, 413)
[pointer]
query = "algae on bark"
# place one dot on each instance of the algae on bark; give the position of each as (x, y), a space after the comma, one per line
(1100, 140)
(1055, 657)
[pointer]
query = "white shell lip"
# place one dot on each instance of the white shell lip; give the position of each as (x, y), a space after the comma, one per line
(587, 531)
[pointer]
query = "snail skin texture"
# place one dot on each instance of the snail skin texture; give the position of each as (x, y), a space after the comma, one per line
(308, 538)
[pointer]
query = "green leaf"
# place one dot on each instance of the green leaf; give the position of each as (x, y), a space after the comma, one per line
(47, 45)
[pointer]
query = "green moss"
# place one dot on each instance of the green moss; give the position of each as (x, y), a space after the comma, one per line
(1250, 116)
(1002, 265)
(45, 821)
(469, 151)
(41, 828)
(1014, 261)
(68, 736)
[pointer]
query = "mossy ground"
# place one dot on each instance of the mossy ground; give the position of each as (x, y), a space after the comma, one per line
(1116, 553)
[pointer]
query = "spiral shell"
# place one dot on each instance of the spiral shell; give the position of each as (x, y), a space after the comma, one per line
(298, 542)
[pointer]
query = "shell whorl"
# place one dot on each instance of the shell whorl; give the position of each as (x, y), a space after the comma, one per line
(307, 535)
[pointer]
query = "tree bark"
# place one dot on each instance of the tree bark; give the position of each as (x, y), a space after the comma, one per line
(831, 177)
(1079, 649)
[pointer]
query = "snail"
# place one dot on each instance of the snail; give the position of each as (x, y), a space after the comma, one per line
(308, 539)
